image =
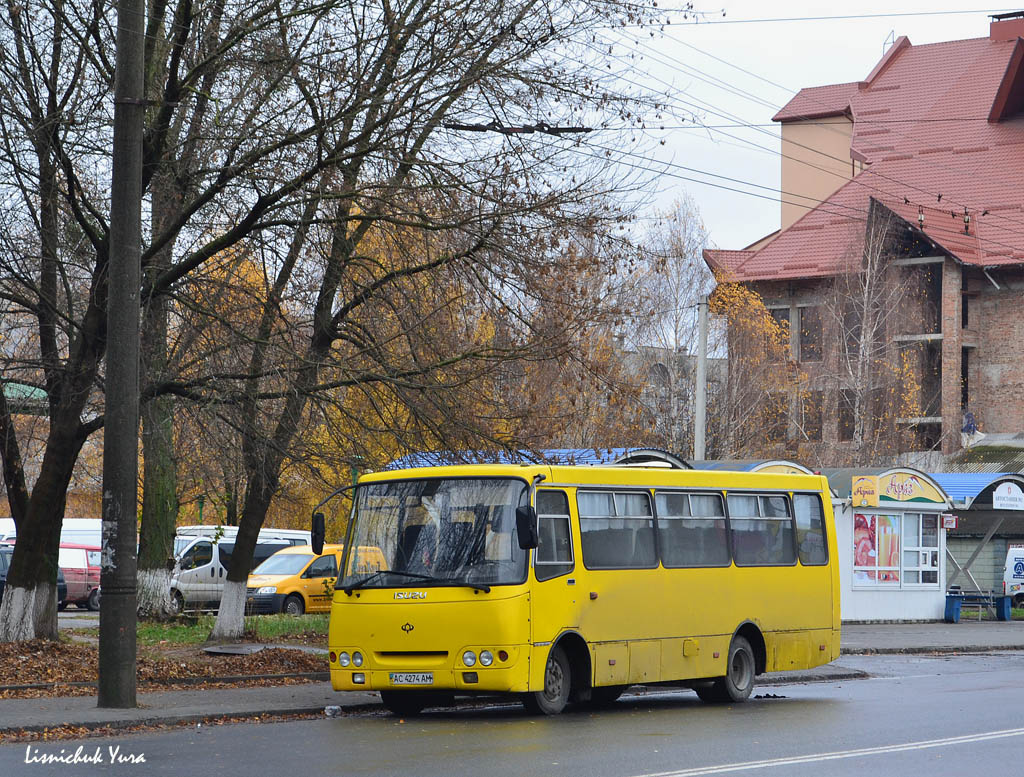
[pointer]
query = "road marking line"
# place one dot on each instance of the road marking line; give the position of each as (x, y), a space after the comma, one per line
(840, 754)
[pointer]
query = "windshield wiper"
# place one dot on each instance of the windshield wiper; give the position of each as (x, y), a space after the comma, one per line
(416, 576)
(475, 586)
(379, 573)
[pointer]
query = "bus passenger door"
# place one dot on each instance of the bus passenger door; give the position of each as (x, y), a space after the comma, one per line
(555, 602)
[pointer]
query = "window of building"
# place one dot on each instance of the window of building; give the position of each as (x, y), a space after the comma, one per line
(776, 416)
(813, 414)
(777, 342)
(617, 530)
(847, 418)
(554, 552)
(810, 529)
(762, 530)
(810, 334)
(691, 530)
(852, 333)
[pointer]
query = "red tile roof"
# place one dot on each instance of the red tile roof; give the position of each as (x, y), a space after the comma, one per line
(922, 126)
(817, 102)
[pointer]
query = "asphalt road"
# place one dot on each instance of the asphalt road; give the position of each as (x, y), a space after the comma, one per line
(917, 715)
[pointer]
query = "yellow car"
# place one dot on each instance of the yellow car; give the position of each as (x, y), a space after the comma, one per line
(296, 580)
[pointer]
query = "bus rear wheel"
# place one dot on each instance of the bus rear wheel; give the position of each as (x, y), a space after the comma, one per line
(557, 685)
(738, 681)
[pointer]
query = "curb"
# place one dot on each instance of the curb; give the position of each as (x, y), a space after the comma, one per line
(180, 720)
(797, 679)
(940, 650)
(314, 676)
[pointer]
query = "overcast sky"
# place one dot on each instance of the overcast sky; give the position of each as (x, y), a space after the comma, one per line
(793, 54)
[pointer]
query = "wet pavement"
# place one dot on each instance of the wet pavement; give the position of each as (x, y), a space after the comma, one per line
(197, 705)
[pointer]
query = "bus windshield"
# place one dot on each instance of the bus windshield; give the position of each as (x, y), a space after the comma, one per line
(436, 532)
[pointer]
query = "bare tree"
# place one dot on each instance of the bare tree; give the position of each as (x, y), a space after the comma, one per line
(296, 131)
(878, 381)
(674, 280)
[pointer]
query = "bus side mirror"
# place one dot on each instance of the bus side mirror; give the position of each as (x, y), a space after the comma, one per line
(526, 527)
(319, 533)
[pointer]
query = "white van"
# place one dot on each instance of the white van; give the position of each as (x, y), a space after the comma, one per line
(291, 536)
(202, 559)
(74, 531)
(1013, 575)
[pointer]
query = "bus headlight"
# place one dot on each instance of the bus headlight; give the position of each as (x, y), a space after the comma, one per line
(469, 658)
(267, 589)
(486, 658)
(357, 659)
(344, 659)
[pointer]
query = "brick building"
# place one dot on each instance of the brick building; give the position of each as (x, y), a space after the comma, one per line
(929, 148)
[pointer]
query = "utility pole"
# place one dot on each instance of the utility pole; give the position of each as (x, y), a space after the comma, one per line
(701, 389)
(117, 652)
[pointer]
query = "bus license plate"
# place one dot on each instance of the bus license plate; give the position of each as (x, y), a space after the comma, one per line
(412, 678)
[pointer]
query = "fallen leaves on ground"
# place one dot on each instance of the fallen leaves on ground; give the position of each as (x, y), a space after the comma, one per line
(68, 663)
(59, 733)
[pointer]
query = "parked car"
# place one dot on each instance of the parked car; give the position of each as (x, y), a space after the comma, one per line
(6, 552)
(201, 567)
(81, 567)
(297, 580)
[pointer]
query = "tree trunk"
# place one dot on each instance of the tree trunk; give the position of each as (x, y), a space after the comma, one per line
(29, 606)
(230, 624)
(29, 613)
(159, 474)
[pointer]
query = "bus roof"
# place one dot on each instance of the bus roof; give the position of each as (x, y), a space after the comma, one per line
(608, 475)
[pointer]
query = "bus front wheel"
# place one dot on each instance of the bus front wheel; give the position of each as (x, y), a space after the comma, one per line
(557, 685)
(738, 681)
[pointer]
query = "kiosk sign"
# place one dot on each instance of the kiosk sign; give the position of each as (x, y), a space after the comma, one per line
(1008, 496)
(865, 491)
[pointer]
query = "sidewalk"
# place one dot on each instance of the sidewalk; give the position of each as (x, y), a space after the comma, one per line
(198, 705)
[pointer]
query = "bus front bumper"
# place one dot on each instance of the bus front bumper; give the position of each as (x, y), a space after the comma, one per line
(492, 679)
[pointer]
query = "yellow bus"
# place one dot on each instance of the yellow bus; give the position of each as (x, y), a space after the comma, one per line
(568, 584)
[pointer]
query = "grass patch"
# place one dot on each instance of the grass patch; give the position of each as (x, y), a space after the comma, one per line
(261, 628)
(271, 627)
(187, 631)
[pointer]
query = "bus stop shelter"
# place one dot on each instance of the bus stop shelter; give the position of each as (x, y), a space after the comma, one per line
(990, 513)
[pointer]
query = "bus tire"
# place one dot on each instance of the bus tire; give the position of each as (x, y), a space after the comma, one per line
(738, 681)
(293, 605)
(557, 685)
(606, 694)
(405, 702)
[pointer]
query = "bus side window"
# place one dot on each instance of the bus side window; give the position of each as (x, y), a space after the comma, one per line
(691, 530)
(762, 530)
(554, 553)
(810, 529)
(617, 530)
